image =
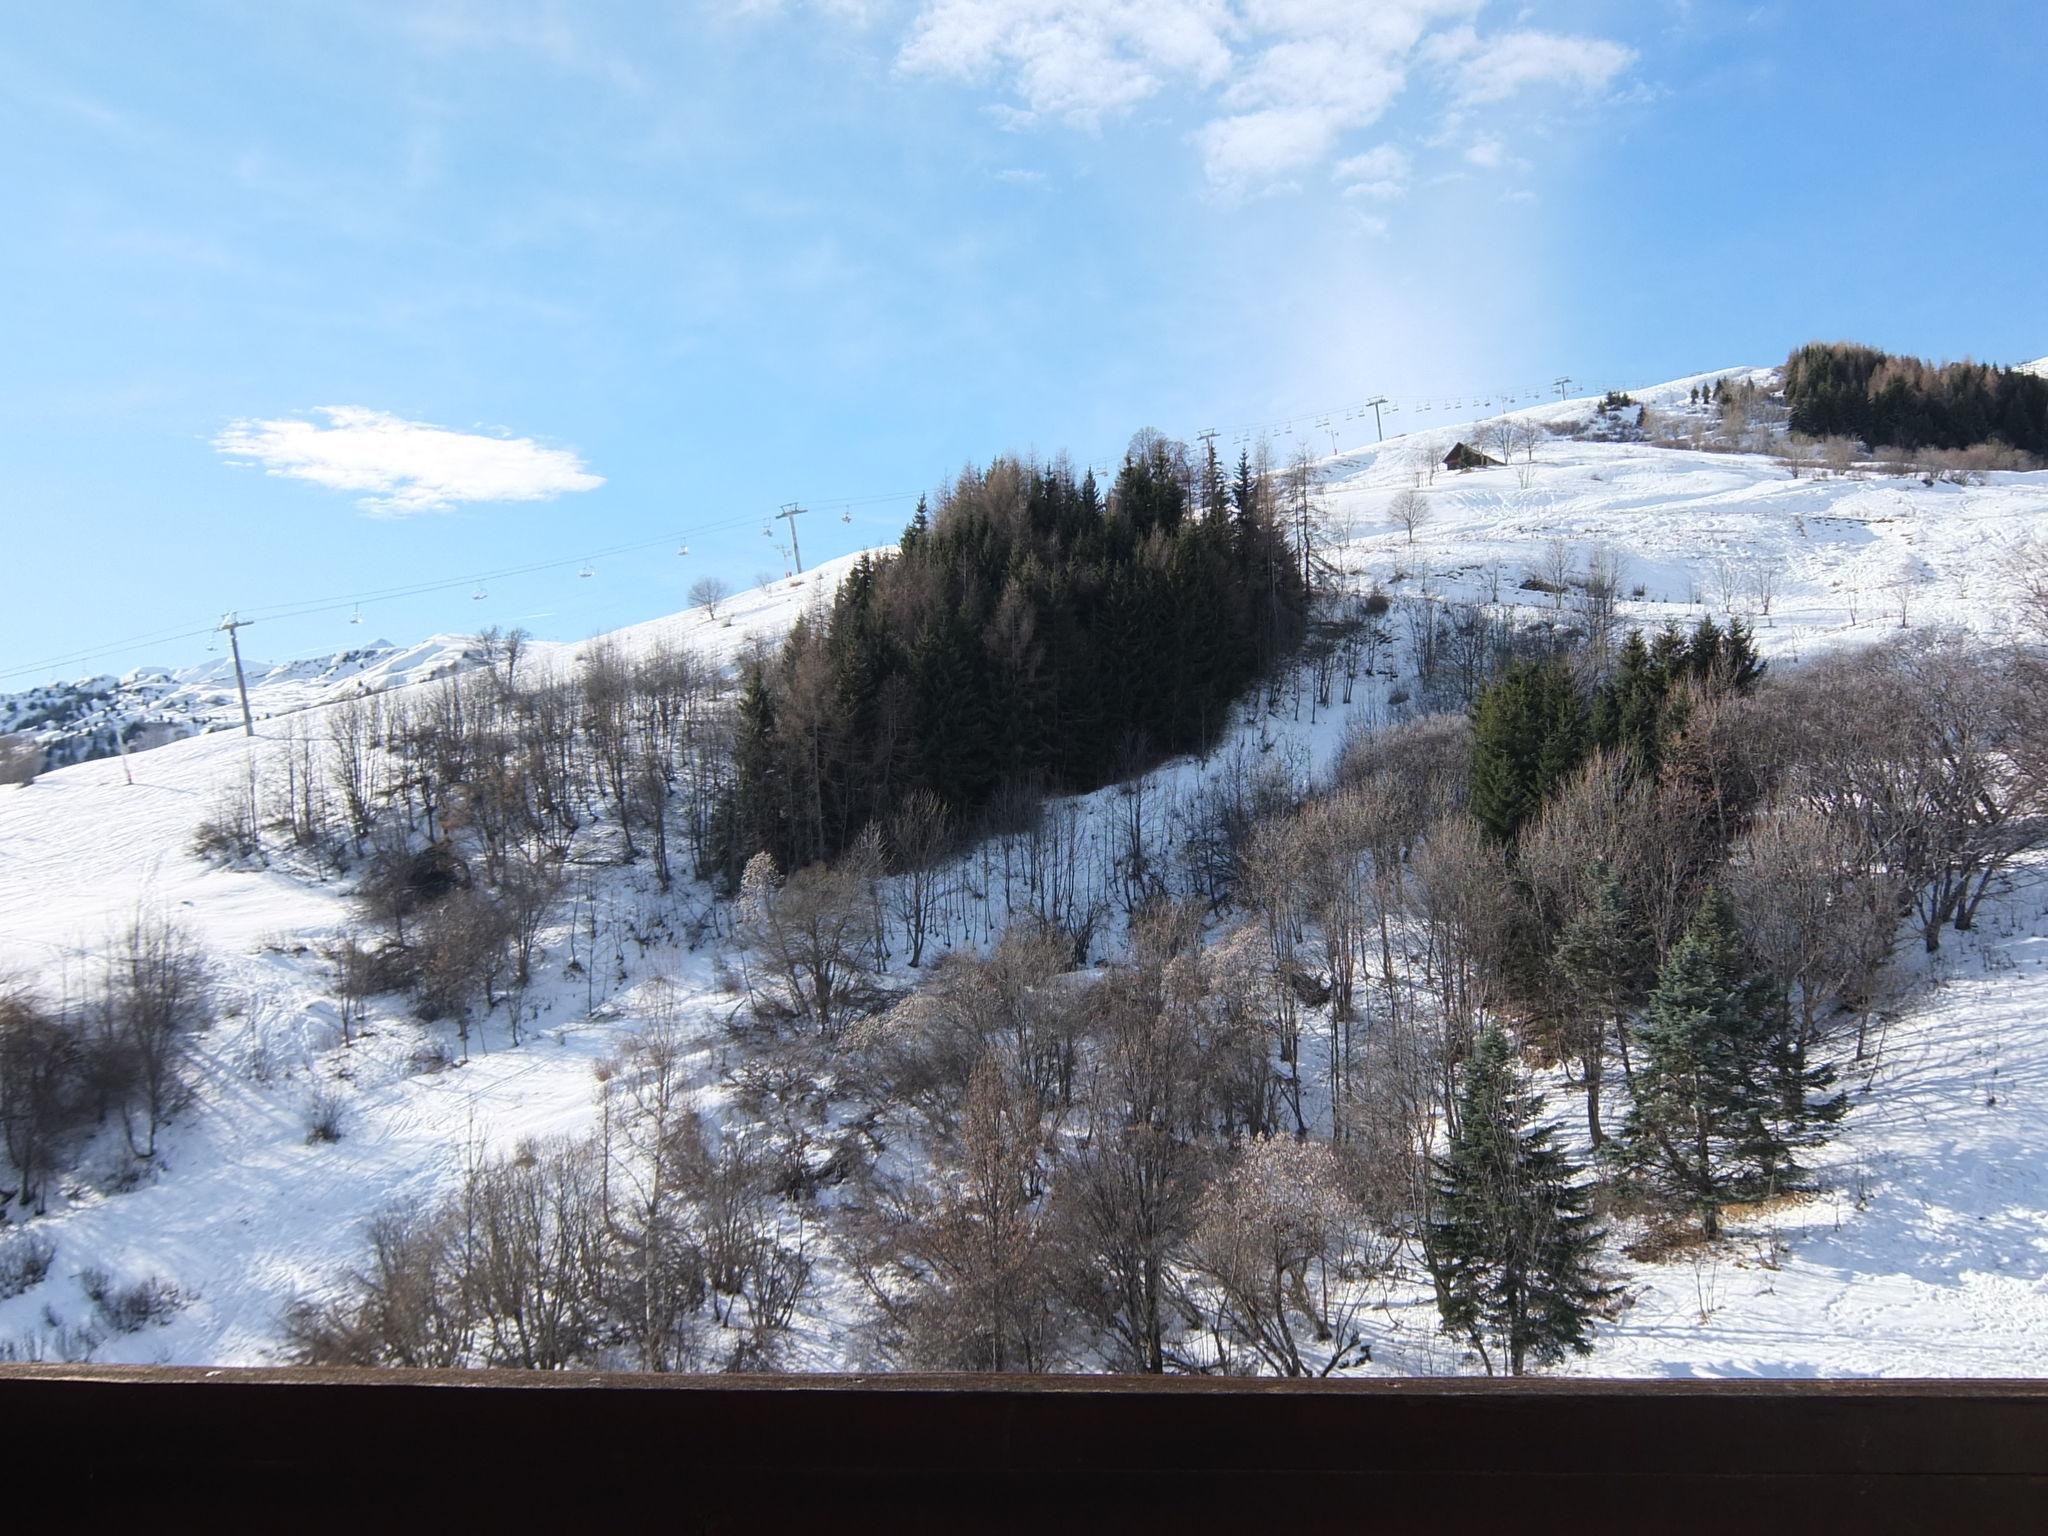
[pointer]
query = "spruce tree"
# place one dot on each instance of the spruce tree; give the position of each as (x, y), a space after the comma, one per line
(1528, 733)
(1724, 1101)
(1511, 1243)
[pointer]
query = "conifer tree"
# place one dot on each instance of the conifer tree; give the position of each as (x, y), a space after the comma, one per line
(1528, 733)
(1724, 1101)
(1511, 1243)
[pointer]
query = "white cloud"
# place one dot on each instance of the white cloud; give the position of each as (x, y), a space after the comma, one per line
(1260, 146)
(1485, 153)
(401, 468)
(1071, 58)
(1381, 174)
(1016, 176)
(1497, 69)
(1281, 84)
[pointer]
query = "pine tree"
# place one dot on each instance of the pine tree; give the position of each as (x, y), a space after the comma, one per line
(1629, 715)
(1724, 1100)
(1511, 1243)
(1528, 733)
(756, 818)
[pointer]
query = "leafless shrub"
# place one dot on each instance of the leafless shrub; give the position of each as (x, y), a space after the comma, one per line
(21, 759)
(2025, 568)
(232, 832)
(25, 1257)
(323, 1117)
(964, 1267)
(134, 1306)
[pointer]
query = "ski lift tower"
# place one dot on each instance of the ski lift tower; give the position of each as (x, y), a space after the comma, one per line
(791, 511)
(230, 623)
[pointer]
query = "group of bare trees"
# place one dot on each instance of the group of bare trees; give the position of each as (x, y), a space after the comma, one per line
(1102, 1185)
(116, 1051)
(460, 807)
(656, 1244)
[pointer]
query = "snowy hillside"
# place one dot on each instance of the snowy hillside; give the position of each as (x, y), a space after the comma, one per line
(1923, 1255)
(1815, 561)
(77, 721)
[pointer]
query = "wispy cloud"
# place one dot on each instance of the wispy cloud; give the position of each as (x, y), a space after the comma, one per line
(1484, 153)
(1498, 68)
(401, 468)
(1381, 174)
(1280, 84)
(1077, 60)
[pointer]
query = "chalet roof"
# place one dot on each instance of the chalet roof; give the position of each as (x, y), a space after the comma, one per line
(1465, 456)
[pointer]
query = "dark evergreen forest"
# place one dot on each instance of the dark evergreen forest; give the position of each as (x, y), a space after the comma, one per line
(1031, 634)
(1840, 389)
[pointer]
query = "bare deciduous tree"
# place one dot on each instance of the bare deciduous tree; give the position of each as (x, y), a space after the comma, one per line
(707, 592)
(1410, 510)
(155, 995)
(1554, 570)
(919, 834)
(808, 933)
(1283, 1246)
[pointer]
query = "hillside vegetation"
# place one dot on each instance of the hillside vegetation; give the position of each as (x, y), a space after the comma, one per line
(1529, 900)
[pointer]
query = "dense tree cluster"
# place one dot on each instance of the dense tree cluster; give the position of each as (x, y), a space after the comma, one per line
(1840, 389)
(1030, 631)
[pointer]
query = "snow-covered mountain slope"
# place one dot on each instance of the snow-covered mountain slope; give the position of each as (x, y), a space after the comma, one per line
(91, 717)
(1924, 1256)
(79, 720)
(1841, 557)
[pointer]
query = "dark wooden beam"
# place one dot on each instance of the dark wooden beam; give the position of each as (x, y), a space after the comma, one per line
(972, 1453)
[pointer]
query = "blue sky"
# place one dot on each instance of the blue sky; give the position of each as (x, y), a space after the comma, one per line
(308, 301)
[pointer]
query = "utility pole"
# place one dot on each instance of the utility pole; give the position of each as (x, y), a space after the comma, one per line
(791, 511)
(1376, 402)
(1561, 383)
(230, 623)
(1212, 473)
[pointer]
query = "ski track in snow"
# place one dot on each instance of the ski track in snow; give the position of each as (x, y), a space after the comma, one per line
(1925, 1251)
